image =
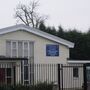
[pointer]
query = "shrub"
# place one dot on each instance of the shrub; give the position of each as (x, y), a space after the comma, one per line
(40, 86)
(5, 87)
(44, 86)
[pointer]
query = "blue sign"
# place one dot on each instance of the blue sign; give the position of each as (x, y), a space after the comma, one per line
(52, 50)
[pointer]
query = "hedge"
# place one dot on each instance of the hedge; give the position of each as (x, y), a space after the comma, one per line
(40, 86)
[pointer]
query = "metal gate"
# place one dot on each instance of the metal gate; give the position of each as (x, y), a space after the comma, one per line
(87, 76)
(71, 77)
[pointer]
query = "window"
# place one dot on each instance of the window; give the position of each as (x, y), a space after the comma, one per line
(19, 49)
(8, 48)
(75, 72)
(6, 76)
(25, 72)
(14, 49)
(26, 49)
(52, 50)
(31, 49)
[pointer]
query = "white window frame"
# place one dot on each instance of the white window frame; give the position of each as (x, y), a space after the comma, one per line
(14, 48)
(30, 49)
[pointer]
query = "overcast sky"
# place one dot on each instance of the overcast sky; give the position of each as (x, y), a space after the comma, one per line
(67, 13)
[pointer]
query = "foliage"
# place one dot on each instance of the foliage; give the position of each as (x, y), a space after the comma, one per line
(40, 86)
(81, 49)
(29, 16)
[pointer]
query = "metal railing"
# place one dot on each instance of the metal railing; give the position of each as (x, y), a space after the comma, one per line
(65, 77)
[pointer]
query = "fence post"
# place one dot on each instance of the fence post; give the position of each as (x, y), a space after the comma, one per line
(59, 77)
(85, 77)
(14, 71)
(62, 74)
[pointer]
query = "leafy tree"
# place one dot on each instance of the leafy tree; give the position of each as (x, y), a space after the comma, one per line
(51, 30)
(81, 40)
(87, 45)
(81, 50)
(60, 32)
(29, 16)
(42, 26)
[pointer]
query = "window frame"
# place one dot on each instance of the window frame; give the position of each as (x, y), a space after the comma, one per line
(29, 49)
(30, 54)
(14, 49)
(75, 72)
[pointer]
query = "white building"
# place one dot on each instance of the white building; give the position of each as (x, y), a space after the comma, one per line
(21, 45)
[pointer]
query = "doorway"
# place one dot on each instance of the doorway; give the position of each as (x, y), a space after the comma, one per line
(7, 75)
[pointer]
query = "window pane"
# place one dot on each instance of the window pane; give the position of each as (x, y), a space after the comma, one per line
(8, 48)
(26, 53)
(25, 62)
(20, 49)
(25, 45)
(31, 49)
(75, 72)
(25, 72)
(25, 49)
(8, 70)
(14, 45)
(8, 81)
(14, 53)
(22, 66)
(14, 49)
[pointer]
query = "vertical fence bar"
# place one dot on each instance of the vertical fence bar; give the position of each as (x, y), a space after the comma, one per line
(49, 72)
(59, 76)
(85, 77)
(14, 77)
(62, 74)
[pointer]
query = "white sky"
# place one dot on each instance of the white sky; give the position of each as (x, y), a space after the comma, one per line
(67, 13)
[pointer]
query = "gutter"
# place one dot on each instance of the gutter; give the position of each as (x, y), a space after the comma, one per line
(78, 61)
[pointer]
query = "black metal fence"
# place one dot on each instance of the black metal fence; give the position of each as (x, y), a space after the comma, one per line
(63, 77)
(30, 74)
(71, 77)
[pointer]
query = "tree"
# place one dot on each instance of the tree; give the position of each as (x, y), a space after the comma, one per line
(42, 26)
(28, 14)
(60, 32)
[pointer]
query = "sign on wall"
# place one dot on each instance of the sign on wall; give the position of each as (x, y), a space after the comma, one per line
(52, 50)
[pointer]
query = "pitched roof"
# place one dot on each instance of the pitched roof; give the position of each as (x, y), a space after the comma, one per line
(36, 32)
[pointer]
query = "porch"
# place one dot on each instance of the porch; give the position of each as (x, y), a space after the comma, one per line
(10, 70)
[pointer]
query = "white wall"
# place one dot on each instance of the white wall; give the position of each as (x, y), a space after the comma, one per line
(39, 47)
(72, 82)
(39, 53)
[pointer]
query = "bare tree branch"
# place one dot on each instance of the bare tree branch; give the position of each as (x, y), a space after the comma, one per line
(28, 15)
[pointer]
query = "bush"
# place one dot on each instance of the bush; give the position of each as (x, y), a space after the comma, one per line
(40, 86)
(5, 87)
(44, 86)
